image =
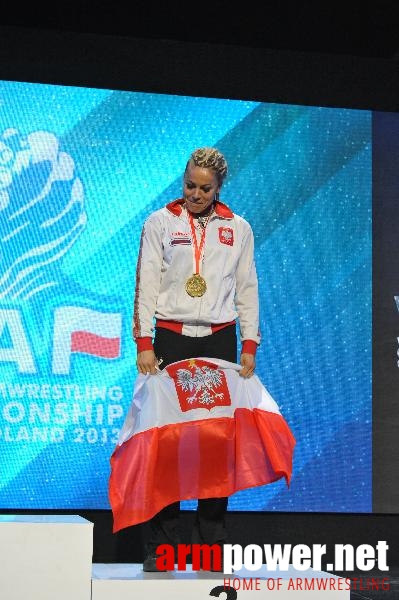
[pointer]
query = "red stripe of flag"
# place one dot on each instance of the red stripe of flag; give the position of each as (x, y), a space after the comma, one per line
(90, 343)
(209, 458)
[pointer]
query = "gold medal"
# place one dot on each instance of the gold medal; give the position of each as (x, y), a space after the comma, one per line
(196, 285)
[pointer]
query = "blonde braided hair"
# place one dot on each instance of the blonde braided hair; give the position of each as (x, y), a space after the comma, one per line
(210, 158)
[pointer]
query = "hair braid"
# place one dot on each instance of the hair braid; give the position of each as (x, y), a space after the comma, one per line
(210, 158)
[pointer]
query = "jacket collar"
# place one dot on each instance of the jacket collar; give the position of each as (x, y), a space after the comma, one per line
(222, 210)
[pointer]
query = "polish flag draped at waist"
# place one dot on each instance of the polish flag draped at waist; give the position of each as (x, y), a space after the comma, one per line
(197, 429)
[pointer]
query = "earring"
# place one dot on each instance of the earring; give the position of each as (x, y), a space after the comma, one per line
(216, 198)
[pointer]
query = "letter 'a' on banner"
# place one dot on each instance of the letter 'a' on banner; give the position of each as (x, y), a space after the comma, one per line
(197, 429)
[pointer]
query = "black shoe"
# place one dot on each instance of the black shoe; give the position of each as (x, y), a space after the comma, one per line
(150, 565)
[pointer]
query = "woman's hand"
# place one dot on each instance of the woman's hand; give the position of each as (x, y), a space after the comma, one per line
(147, 362)
(248, 362)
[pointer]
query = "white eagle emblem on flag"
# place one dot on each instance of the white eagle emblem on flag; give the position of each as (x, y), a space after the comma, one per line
(199, 384)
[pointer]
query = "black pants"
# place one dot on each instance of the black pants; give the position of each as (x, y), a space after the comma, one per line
(209, 525)
(171, 347)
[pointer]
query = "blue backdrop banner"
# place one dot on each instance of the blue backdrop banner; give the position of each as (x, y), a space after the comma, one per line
(80, 170)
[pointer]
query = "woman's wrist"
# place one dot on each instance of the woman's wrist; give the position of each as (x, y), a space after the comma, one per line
(144, 343)
(249, 347)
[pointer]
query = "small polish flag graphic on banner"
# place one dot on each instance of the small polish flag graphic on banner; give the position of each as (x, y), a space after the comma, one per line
(97, 345)
(85, 331)
(199, 384)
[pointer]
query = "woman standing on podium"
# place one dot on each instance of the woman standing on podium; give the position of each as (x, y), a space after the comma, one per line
(196, 277)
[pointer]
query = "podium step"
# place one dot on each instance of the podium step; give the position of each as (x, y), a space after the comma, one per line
(50, 556)
(127, 581)
(44, 557)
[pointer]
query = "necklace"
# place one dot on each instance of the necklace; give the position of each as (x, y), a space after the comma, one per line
(203, 221)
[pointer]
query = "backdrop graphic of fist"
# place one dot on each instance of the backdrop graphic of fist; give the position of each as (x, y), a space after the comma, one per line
(41, 211)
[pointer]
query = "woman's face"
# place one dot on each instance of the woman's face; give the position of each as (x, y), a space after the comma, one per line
(200, 187)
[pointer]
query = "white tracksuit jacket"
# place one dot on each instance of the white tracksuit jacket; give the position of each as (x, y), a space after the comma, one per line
(166, 261)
